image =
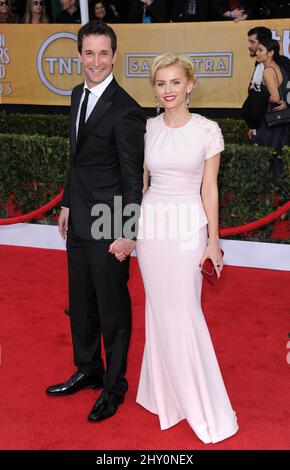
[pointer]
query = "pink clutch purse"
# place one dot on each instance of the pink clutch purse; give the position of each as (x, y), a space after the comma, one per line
(208, 270)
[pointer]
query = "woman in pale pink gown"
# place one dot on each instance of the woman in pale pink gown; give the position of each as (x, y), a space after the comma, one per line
(180, 376)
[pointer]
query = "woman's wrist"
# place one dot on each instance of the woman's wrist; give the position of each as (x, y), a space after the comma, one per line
(213, 240)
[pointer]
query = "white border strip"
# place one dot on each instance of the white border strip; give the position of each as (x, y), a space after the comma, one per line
(237, 253)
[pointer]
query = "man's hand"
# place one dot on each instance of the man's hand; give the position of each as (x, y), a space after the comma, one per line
(122, 248)
(250, 134)
(63, 222)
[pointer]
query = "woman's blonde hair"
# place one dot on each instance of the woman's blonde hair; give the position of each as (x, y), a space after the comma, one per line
(171, 58)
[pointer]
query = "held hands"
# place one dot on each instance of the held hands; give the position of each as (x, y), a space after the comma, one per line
(122, 248)
(213, 252)
(63, 222)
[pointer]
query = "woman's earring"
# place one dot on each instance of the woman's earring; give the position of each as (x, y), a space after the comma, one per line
(157, 106)
(187, 99)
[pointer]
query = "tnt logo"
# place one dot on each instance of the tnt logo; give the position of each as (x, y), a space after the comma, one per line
(57, 63)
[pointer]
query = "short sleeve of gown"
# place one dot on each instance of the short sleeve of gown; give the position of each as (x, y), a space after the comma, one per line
(214, 140)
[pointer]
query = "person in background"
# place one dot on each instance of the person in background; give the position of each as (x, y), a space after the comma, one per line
(101, 11)
(256, 102)
(274, 87)
(114, 12)
(232, 10)
(122, 8)
(20, 8)
(154, 11)
(70, 13)
(35, 12)
(254, 35)
(6, 15)
(190, 10)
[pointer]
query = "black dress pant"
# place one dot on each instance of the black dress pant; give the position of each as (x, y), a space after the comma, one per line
(99, 306)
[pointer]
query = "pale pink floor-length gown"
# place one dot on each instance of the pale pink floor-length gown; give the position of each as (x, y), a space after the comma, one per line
(180, 376)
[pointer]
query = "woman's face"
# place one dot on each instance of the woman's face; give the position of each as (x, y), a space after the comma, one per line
(263, 54)
(37, 6)
(100, 11)
(4, 7)
(171, 86)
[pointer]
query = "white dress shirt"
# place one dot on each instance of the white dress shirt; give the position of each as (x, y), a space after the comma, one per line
(95, 94)
(257, 77)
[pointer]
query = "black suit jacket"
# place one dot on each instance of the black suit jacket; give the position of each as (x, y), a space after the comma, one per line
(179, 10)
(157, 10)
(109, 160)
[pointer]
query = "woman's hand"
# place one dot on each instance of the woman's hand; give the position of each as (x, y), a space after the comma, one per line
(121, 256)
(281, 105)
(213, 252)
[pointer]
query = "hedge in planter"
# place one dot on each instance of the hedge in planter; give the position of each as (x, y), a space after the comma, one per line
(234, 130)
(34, 169)
(247, 188)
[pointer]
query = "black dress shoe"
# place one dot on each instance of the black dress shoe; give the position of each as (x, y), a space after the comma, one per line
(77, 382)
(105, 406)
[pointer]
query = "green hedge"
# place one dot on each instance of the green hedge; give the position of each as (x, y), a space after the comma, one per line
(234, 131)
(34, 168)
(56, 125)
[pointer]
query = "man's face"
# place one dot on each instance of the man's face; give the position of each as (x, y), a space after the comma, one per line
(253, 44)
(97, 58)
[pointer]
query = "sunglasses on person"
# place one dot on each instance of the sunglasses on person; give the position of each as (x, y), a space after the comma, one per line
(3, 3)
(37, 2)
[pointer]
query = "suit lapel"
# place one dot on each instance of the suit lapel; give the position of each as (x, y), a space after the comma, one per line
(74, 114)
(103, 105)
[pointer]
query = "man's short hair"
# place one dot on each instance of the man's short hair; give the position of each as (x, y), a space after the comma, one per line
(261, 32)
(98, 28)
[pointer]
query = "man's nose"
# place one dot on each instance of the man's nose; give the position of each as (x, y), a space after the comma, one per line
(96, 60)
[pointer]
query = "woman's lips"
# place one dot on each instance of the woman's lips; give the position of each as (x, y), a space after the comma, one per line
(169, 98)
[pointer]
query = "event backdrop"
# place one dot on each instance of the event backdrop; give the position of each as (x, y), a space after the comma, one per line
(39, 63)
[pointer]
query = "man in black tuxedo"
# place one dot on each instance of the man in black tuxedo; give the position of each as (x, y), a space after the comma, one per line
(107, 144)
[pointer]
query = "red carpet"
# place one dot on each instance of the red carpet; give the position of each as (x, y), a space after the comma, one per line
(248, 317)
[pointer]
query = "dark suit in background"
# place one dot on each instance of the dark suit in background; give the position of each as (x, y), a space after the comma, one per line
(180, 11)
(108, 161)
(157, 10)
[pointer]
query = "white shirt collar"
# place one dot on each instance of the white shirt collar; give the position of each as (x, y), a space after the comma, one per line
(99, 89)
